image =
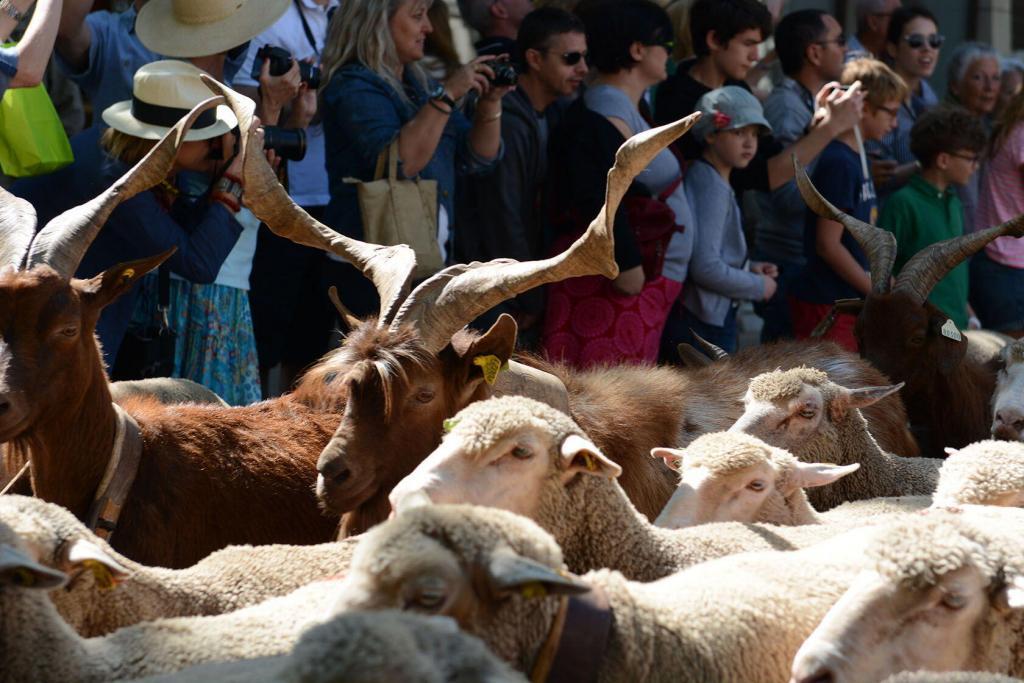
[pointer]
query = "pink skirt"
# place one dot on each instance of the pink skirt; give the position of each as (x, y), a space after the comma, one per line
(589, 323)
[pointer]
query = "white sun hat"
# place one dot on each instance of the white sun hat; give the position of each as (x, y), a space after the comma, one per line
(197, 28)
(162, 93)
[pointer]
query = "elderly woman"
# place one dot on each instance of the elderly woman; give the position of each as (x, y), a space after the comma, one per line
(376, 92)
(974, 77)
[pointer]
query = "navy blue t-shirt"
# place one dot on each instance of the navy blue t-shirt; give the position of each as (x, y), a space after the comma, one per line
(841, 180)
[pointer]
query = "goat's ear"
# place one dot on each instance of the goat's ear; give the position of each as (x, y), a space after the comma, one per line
(350, 321)
(861, 397)
(113, 282)
(807, 475)
(951, 343)
(487, 354)
(581, 455)
(84, 554)
(673, 457)
(18, 569)
(509, 573)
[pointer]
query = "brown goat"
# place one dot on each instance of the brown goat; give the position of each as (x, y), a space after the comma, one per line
(400, 395)
(209, 476)
(947, 390)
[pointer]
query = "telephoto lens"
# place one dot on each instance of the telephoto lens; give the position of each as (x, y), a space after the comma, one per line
(288, 143)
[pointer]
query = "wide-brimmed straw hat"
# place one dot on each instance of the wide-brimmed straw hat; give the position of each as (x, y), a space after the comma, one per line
(196, 28)
(163, 92)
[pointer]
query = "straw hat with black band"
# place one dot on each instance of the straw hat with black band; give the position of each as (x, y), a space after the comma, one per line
(162, 93)
(197, 28)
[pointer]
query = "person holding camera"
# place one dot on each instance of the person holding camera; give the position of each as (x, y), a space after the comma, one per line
(376, 93)
(292, 315)
(161, 217)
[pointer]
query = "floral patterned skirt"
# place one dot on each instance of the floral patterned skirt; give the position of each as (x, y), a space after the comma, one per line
(215, 345)
(589, 323)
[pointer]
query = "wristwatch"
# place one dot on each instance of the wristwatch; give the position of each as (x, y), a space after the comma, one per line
(440, 94)
(229, 186)
(8, 8)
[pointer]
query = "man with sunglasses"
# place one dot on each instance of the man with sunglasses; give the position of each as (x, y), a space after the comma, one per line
(499, 214)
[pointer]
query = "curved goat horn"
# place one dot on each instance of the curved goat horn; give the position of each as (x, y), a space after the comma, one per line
(879, 244)
(65, 239)
(389, 268)
(924, 270)
(17, 228)
(715, 352)
(443, 304)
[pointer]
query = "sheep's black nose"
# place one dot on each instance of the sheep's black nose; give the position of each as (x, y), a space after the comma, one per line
(822, 675)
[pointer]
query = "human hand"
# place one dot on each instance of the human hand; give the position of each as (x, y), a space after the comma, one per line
(472, 76)
(843, 108)
(303, 107)
(630, 282)
(235, 168)
(277, 91)
(973, 323)
(763, 268)
(882, 170)
(770, 285)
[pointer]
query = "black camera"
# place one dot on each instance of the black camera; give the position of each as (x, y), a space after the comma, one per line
(288, 143)
(280, 62)
(505, 73)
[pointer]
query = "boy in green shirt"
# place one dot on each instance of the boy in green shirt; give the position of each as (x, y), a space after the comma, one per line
(947, 141)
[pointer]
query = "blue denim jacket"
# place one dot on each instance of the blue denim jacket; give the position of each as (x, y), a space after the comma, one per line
(362, 115)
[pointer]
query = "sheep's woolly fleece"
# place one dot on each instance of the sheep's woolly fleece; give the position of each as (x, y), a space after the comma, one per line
(781, 384)
(1014, 352)
(723, 453)
(950, 677)
(367, 647)
(481, 425)
(919, 550)
(981, 473)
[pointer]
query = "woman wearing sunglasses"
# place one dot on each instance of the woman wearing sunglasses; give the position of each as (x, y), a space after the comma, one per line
(912, 46)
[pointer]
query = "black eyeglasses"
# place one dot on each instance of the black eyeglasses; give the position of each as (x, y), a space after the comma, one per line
(916, 41)
(573, 58)
(969, 158)
(891, 111)
(839, 40)
(669, 45)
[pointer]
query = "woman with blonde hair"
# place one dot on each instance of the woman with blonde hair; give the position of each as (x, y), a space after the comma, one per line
(997, 271)
(376, 92)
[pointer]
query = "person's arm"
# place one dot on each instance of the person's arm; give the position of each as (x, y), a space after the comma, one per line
(828, 243)
(843, 112)
(74, 36)
(36, 46)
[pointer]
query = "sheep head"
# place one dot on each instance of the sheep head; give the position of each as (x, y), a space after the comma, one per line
(508, 452)
(401, 421)
(801, 409)
(937, 596)
(495, 573)
(733, 477)
(983, 473)
(1008, 398)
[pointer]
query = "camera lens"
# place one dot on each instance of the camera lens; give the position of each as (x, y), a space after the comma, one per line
(288, 143)
(505, 73)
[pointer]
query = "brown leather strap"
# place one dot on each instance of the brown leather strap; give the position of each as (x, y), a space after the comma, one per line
(119, 476)
(546, 656)
(588, 626)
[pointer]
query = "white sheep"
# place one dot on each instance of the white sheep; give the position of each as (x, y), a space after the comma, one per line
(527, 457)
(950, 677)
(736, 477)
(385, 646)
(983, 473)
(817, 420)
(39, 645)
(738, 618)
(110, 591)
(1008, 397)
(167, 390)
(939, 592)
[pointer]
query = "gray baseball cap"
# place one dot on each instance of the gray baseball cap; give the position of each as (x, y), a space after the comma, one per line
(727, 108)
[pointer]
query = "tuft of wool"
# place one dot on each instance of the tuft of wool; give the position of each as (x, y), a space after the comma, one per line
(479, 426)
(981, 473)
(726, 452)
(781, 384)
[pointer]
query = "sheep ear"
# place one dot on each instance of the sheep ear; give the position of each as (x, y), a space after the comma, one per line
(673, 457)
(18, 569)
(808, 475)
(84, 554)
(580, 455)
(949, 450)
(1011, 596)
(861, 397)
(510, 572)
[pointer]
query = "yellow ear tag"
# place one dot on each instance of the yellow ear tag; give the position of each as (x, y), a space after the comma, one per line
(104, 579)
(534, 590)
(491, 366)
(127, 275)
(589, 462)
(449, 424)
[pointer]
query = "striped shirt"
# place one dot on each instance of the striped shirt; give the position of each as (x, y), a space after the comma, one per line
(1002, 198)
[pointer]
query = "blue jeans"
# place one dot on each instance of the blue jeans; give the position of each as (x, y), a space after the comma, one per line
(677, 331)
(997, 294)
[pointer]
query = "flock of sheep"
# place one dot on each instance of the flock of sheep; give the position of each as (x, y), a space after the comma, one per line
(796, 535)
